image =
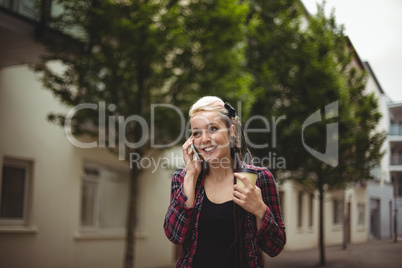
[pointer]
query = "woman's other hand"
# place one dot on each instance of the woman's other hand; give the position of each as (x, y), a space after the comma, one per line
(249, 197)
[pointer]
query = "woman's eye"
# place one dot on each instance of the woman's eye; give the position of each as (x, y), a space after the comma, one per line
(196, 133)
(213, 129)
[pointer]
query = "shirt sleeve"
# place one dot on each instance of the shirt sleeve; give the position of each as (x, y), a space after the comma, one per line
(271, 236)
(178, 216)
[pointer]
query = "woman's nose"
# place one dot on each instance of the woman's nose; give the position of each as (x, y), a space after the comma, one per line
(205, 137)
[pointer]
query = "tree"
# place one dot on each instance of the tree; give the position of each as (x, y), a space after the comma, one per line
(273, 58)
(298, 69)
(129, 55)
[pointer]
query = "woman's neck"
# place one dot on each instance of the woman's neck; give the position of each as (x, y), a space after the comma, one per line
(218, 174)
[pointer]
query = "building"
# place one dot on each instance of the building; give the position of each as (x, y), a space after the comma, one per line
(380, 190)
(366, 209)
(60, 205)
(395, 144)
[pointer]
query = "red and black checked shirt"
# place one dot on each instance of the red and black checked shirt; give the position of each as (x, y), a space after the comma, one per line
(270, 238)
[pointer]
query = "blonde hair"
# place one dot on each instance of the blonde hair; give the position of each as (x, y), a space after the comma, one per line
(210, 104)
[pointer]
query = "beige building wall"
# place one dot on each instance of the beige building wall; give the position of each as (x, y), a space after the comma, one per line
(52, 236)
(358, 231)
(153, 246)
(306, 236)
(333, 232)
(297, 237)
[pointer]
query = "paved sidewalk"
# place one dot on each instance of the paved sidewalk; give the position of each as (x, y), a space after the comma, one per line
(376, 253)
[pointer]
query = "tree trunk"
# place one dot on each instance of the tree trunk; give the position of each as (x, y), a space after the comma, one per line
(345, 223)
(129, 258)
(321, 223)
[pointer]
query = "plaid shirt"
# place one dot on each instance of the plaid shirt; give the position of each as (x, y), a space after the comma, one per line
(270, 237)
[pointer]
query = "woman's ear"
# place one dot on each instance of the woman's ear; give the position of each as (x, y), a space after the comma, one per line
(232, 130)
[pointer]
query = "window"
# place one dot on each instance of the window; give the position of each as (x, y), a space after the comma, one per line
(399, 189)
(14, 186)
(299, 209)
(360, 215)
(338, 212)
(399, 157)
(311, 207)
(375, 172)
(104, 200)
(23, 7)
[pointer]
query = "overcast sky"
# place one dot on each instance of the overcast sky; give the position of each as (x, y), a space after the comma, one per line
(375, 29)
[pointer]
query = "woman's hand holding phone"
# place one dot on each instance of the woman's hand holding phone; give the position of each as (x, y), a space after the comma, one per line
(191, 158)
(193, 169)
(196, 156)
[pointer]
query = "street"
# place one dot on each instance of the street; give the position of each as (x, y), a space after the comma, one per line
(376, 253)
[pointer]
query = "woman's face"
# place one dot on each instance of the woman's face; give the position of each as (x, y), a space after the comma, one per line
(211, 137)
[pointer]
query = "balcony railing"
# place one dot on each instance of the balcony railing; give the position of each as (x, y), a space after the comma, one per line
(26, 8)
(396, 159)
(395, 130)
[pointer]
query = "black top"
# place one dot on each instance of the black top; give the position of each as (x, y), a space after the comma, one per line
(215, 236)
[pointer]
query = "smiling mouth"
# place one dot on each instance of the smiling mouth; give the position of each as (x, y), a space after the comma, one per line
(209, 149)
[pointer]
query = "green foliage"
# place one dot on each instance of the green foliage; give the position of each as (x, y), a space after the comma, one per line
(299, 67)
(133, 54)
(137, 53)
(301, 64)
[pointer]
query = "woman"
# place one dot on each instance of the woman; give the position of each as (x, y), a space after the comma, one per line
(220, 223)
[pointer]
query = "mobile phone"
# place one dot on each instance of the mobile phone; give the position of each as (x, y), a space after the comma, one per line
(196, 156)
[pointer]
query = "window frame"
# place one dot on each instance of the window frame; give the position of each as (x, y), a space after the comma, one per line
(399, 187)
(91, 178)
(337, 215)
(361, 208)
(311, 211)
(28, 166)
(300, 209)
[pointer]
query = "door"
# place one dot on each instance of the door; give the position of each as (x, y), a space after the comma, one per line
(375, 218)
